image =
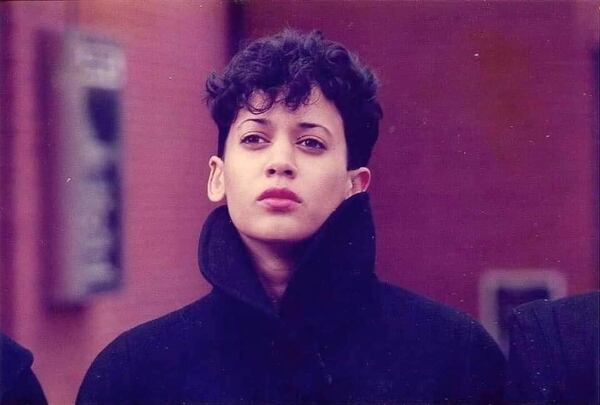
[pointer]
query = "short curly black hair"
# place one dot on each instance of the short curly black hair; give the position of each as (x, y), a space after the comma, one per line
(288, 65)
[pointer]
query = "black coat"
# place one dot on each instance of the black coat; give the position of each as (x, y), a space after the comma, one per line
(340, 334)
(554, 351)
(18, 384)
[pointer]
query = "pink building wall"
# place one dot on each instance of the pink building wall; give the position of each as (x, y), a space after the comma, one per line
(167, 138)
(487, 157)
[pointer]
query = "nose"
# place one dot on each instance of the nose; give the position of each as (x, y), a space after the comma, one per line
(281, 169)
(281, 161)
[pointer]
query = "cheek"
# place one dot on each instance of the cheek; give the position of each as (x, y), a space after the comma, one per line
(236, 183)
(338, 176)
(332, 187)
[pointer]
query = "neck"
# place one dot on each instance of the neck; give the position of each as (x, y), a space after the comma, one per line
(274, 263)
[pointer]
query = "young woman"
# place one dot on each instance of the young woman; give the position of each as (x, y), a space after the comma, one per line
(296, 313)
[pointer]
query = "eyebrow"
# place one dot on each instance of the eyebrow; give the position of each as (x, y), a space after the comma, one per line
(303, 125)
(261, 121)
(310, 125)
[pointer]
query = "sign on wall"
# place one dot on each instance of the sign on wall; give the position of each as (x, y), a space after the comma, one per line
(83, 108)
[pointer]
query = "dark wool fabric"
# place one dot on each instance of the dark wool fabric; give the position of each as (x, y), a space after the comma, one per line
(18, 384)
(554, 351)
(339, 335)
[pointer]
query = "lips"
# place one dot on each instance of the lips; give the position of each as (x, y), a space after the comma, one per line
(279, 199)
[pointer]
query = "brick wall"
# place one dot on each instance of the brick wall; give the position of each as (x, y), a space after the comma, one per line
(168, 136)
(487, 157)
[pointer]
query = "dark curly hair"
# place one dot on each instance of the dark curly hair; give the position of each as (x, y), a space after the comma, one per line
(289, 64)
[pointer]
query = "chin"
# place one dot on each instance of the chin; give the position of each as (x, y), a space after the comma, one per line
(283, 237)
(281, 233)
(276, 228)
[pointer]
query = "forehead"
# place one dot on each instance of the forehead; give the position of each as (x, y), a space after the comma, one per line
(316, 110)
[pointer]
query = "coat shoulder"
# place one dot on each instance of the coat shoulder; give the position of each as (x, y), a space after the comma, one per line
(435, 339)
(434, 327)
(172, 326)
(399, 304)
(150, 355)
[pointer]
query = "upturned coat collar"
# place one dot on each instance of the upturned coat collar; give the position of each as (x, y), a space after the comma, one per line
(331, 281)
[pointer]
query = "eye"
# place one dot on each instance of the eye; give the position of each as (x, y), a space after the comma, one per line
(311, 143)
(253, 139)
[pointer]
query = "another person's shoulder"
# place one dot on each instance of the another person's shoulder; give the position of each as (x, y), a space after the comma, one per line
(554, 350)
(571, 322)
(14, 356)
(18, 384)
(582, 308)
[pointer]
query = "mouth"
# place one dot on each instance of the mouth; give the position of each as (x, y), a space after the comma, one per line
(279, 199)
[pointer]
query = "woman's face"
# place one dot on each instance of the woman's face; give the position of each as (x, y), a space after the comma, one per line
(284, 172)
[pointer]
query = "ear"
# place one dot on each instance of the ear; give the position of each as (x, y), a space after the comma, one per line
(216, 182)
(358, 181)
